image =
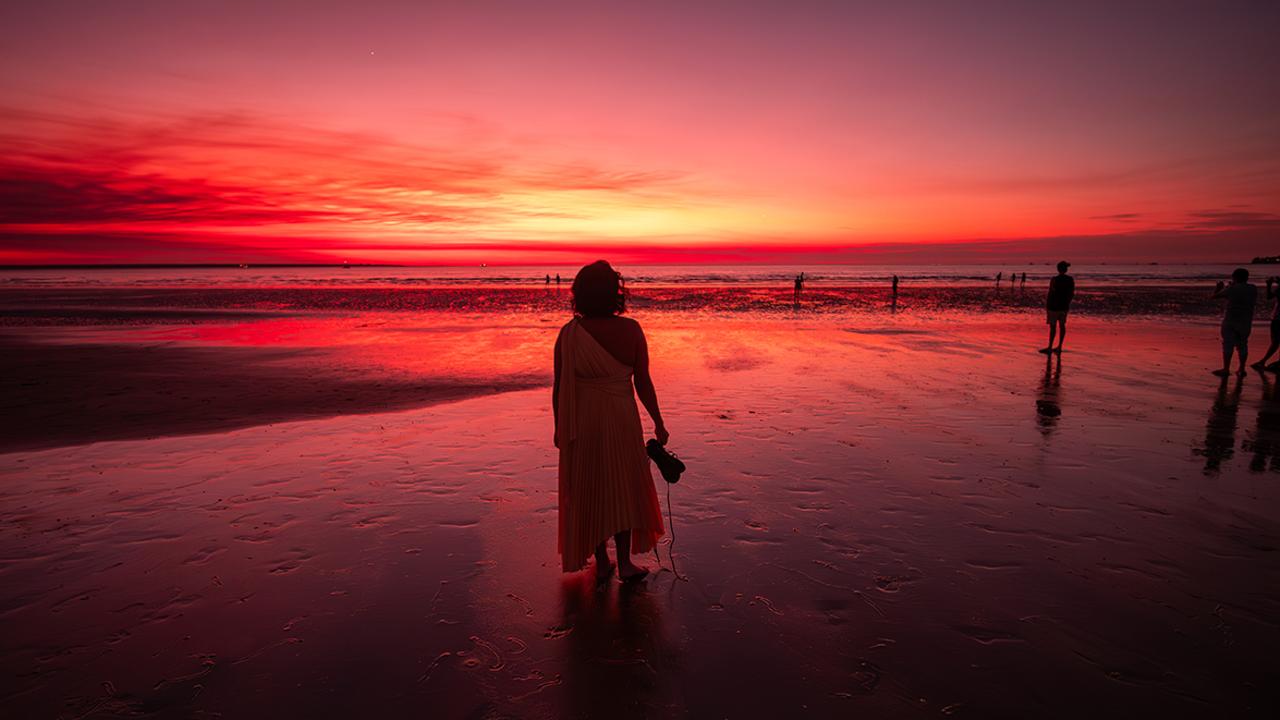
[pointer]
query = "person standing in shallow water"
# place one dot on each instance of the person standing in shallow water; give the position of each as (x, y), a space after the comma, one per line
(606, 487)
(1237, 321)
(1062, 289)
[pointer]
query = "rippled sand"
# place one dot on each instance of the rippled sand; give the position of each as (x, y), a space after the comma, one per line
(885, 516)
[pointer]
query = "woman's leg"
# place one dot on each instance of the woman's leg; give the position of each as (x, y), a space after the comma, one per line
(626, 568)
(604, 568)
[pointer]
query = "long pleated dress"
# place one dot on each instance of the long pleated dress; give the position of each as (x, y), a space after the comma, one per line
(605, 482)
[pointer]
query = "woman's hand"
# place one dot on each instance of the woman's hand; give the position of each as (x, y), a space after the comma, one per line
(660, 432)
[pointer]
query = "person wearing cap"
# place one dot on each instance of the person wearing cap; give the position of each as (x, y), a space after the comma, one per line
(1062, 288)
(1237, 321)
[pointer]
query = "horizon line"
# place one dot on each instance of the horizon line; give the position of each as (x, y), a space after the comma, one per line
(192, 266)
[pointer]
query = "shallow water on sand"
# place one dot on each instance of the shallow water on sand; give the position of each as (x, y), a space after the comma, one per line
(884, 515)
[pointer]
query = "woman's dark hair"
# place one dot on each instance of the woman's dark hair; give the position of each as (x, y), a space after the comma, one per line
(598, 291)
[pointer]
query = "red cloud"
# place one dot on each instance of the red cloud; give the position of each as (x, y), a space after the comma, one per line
(201, 175)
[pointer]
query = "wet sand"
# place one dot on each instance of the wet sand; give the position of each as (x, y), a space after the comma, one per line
(889, 515)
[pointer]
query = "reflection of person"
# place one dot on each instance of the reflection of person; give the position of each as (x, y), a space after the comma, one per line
(1275, 328)
(615, 643)
(1237, 321)
(1062, 289)
(1220, 430)
(1047, 408)
(606, 488)
(1265, 443)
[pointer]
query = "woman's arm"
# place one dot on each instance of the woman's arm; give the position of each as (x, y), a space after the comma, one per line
(555, 394)
(644, 388)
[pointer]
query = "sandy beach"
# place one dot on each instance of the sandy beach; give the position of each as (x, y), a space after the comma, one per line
(308, 502)
(311, 384)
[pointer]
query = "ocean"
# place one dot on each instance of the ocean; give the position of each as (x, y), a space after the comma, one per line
(392, 276)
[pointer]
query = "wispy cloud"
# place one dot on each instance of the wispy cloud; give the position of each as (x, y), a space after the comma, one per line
(1118, 217)
(68, 195)
(1232, 220)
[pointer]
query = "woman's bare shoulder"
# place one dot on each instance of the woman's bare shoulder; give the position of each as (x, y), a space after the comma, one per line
(633, 326)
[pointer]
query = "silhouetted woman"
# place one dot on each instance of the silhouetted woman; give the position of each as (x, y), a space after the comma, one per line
(606, 488)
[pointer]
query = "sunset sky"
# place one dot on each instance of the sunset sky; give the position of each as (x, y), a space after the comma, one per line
(514, 132)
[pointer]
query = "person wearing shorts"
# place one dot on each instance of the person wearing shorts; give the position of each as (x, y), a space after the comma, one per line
(1062, 289)
(1237, 321)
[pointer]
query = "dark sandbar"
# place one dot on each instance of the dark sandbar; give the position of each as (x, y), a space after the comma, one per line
(54, 395)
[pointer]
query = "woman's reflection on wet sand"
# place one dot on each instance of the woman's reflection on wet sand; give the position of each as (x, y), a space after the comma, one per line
(618, 661)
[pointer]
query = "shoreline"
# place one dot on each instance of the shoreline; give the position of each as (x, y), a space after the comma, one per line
(78, 305)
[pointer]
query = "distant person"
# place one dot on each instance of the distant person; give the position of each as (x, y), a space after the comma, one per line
(548, 279)
(799, 284)
(557, 278)
(895, 286)
(1272, 282)
(605, 486)
(999, 278)
(1237, 321)
(1062, 288)
(1024, 280)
